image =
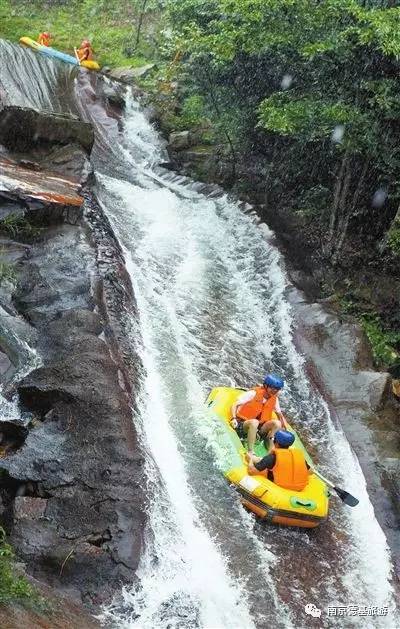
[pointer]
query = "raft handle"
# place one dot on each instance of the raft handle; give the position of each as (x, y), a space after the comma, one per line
(311, 505)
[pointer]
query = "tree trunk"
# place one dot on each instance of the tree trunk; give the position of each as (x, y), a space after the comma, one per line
(337, 195)
(140, 21)
(345, 222)
(218, 112)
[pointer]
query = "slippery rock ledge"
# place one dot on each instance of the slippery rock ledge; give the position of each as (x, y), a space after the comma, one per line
(71, 485)
(339, 363)
(79, 470)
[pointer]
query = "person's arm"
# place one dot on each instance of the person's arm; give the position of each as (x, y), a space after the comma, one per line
(257, 465)
(280, 415)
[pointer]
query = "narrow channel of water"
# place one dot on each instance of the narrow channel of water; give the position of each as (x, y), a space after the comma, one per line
(210, 289)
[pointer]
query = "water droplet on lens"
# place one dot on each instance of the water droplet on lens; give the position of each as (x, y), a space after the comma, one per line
(379, 197)
(338, 133)
(286, 82)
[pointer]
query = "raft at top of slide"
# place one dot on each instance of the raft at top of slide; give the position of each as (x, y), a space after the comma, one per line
(56, 54)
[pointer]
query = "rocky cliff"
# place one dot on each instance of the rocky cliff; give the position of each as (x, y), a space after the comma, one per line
(71, 466)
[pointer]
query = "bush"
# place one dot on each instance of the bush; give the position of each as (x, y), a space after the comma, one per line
(16, 225)
(192, 114)
(12, 587)
(383, 343)
(394, 240)
(7, 273)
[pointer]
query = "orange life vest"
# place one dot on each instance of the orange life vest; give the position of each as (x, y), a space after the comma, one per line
(44, 39)
(290, 470)
(85, 53)
(258, 408)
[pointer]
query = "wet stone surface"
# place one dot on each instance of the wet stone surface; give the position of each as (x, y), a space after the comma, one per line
(79, 525)
(339, 362)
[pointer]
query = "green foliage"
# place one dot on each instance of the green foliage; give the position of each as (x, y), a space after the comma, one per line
(305, 117)
(7, 273)
(16, 225)
(190, 116)
(13, 588)
(383, 342)
(394, 240)
(307, 93)
(193, 111)
(314, 202)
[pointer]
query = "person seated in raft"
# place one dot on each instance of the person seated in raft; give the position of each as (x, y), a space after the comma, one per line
(85, 51)
(253, 410)
(44, 39)
(285, 466)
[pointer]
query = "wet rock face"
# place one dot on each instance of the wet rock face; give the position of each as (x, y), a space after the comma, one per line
(37, 190)
(70, 161)
(72, 482)
(339, 363)
(115, 93)
(80, 526)
(21, 127)
(71, 476)
(60, 613)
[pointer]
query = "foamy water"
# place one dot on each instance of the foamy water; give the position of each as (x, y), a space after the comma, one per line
(210, 289)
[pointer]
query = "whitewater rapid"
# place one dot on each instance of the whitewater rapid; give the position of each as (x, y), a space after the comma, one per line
(211, 294)
(210, 288)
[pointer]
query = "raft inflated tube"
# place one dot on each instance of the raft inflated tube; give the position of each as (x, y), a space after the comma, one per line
(307, 508)
(56, 54)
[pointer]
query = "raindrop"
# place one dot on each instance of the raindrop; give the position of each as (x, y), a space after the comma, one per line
(286, 82)
(379, 197)
(338, 133)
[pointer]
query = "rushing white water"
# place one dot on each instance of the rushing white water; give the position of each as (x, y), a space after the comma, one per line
(210, 290)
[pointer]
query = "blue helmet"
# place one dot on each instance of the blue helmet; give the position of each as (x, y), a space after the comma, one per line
(273, 381)
(284, 438)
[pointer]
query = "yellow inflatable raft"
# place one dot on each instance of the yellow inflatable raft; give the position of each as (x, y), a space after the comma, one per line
(56, 54)
(306, 508)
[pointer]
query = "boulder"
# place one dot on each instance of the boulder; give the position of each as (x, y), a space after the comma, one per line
(179, 141)
(29, 508)
(115, 93)
(70, 161)
(379, 389)
(126, 75)
(130, 75)
(143, 70)
(21, 127)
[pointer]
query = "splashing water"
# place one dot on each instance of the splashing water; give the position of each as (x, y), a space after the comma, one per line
(211, 296)
(210, 289)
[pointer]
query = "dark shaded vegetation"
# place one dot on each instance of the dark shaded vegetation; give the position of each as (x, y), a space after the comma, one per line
(13, 587)
(304, 99)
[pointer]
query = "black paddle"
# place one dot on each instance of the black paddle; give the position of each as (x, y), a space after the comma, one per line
(344, 496)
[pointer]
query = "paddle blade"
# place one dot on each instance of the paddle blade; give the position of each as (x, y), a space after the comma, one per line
(347, 498)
